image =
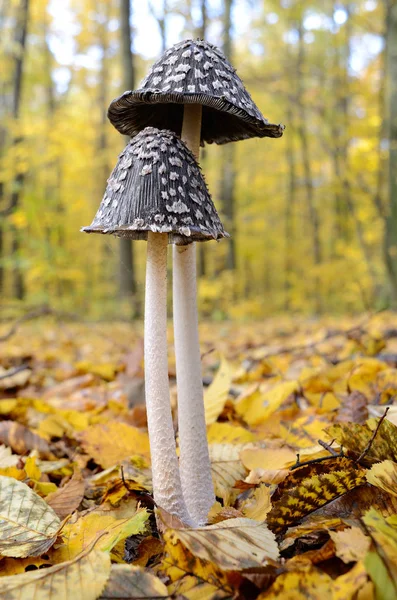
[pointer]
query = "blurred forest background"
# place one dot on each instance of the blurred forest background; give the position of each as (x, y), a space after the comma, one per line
(313, 215)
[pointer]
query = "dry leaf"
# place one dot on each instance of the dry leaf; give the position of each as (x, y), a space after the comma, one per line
(28, 526)
(83, 577)
(232, 545)
(130, 582)
(226, 468)
(67, 499)
(351, 544)
(384, 476)
(22, 440)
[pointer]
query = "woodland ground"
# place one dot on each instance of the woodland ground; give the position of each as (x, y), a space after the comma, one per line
(304, 464)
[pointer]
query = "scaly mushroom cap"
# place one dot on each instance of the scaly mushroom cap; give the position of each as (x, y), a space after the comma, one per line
(192, 72)
(157, 186)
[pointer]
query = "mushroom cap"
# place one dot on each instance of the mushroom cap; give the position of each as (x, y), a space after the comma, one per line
(157, 186)
(192, 72)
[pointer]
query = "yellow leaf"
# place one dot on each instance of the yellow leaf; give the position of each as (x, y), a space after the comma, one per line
(83, 577)
(108, 444)
(301, 585)
(118, 523)
(267, 458)
(263, 405)
(384, 476)
(31, 469)
(258, 505)
(216, 394)
(232, 545)
(194, 588)
(225, 433)
(45, 487)
(28, 526)
(106, 370)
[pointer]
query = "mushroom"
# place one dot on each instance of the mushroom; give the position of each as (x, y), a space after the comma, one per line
(193, 90)
(156, 192)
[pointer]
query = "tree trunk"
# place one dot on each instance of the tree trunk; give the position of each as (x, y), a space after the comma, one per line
(228, 177)
(127, 273)
(289, 210)
(391, 218)
(306, 160)
(20, 43)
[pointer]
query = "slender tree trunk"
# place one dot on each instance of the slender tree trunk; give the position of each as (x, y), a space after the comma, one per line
(289, 210)
(20, 43)
(127, 271)
(228, 177)
(306, 160)
(391, 218)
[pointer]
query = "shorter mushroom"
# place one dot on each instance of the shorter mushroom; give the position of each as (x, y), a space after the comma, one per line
(156, 192)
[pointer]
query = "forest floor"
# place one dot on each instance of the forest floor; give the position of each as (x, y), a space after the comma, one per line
(302, 429)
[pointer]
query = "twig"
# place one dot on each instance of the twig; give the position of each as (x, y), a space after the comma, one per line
(42, 311)
(14, 371)
(328, 447)
(371, 441)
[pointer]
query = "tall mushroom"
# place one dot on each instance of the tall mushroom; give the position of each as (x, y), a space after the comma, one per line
(193, 90)
(156, 192)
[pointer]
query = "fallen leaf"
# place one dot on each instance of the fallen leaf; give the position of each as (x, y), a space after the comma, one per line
(127, 581)
(258, 505)
(351, 544)
(311, 494)
(353, 409)
(109, 444)
(300, 585)
(216, 394)
(263, 405)
(226, 433)
(118, 523)
(28, 526)
(384, 476)
(22, 440)
(226, 468)
(67, 499)
(194, 588)
(232, 545)
(83, 577)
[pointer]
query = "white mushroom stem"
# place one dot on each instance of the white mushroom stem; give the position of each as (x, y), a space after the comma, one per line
(167, 489)
(194, 463)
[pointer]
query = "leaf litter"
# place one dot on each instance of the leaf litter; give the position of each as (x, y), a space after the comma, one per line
(302, 430)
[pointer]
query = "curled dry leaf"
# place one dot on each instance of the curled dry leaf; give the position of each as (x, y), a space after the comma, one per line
(67, 499)
(258, 505)
(28, 526)
(384, 476)
(129, 582)
(108, 444)
(83, 577)
(22, 440)
(232, 545)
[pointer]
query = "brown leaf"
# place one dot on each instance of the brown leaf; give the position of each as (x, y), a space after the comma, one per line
(353, 409)
(311, 494)
(22, 440)
(67, 499)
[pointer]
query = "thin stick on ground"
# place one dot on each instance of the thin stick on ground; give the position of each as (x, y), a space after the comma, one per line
(375, 433)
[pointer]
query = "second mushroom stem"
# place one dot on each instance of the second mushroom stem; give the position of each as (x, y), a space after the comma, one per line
(195, 467)
(166, 479)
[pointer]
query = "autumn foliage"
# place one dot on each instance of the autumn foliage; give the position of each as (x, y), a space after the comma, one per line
(302, 431)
